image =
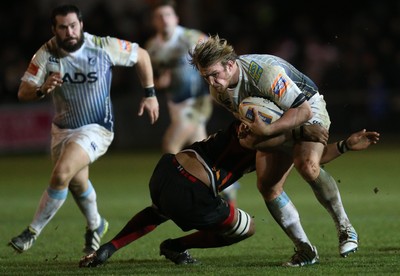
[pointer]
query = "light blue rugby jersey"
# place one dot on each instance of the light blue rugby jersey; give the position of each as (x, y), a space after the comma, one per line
(173, 54)
(268, 77)
(84, 97)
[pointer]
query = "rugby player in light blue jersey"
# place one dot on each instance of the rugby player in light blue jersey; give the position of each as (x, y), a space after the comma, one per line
(232, 78)
(75, 69)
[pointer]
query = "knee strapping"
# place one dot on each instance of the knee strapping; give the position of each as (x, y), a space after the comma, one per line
(241, 227)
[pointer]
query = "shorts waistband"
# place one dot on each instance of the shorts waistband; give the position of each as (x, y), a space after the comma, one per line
(184, 173)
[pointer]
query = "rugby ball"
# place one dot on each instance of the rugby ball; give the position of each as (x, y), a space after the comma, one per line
(267, 110)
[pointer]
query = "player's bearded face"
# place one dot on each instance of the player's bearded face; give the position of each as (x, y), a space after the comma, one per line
(68, 31)
(70, 44)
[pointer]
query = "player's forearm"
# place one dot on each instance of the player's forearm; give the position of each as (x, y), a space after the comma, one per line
(291, 119)
(29, 92)
(331, 152)
(144, 69)
(272, 142)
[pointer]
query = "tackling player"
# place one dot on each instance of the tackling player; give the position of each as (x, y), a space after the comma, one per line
(185, 188)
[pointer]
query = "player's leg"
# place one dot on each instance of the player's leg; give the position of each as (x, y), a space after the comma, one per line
(94, 140)
(85, 197)
(230, 193)
(238, 226)
(69, 159)
(139, 225)
(272, 171)
(181, 129)
(190, 203)
(176, 136)
(307, 158)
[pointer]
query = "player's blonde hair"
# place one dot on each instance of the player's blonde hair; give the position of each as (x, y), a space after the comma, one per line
(211, 51)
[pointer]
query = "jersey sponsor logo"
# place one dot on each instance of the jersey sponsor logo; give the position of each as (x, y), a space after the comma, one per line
(53, 65)
(54, 60)
(33, 69)
(264, 117)
(80, 77)
(124, 45)
(279, 85)
(255, 71)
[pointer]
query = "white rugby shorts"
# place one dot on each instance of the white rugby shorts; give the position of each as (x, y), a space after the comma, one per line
(320, 113)
(192, 111)
(93, 138)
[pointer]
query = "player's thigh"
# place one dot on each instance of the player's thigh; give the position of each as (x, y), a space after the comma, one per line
(183, 198)
(272, 169)
(72, 160)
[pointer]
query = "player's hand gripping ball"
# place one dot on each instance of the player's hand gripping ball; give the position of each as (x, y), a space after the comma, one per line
(267, 110)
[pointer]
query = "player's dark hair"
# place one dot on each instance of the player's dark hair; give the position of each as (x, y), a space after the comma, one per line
(64, 10)
(159, 3)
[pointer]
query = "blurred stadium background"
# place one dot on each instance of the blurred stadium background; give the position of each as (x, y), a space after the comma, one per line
(350, 50)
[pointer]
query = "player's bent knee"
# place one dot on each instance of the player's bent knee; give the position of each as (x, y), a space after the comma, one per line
(308, 170)
(242, 229)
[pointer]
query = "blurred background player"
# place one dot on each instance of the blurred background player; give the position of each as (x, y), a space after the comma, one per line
(74, 68)
(189, 103)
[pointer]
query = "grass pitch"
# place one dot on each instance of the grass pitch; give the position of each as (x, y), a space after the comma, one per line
(368, 181)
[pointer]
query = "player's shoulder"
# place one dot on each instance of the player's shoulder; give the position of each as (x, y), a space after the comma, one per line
(189, 34)
(49, 48)
(95, 40)
(108, 43)
(265, 59)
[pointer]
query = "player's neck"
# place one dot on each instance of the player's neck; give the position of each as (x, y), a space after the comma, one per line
(235, 77)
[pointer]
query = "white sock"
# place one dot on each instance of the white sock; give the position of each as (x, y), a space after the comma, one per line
(88, 205)
(327, 193)
(287, 216)
(49, 204)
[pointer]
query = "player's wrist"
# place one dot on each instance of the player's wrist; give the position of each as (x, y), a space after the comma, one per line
(149, 92)
(39, 93)
(342, 146)
(298, 133)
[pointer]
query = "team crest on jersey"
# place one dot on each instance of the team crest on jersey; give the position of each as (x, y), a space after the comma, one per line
(124, 45)
(92, 61)
(255, 71)
(279, 85)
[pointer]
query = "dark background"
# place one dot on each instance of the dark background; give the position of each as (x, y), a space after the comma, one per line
(351, 51)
